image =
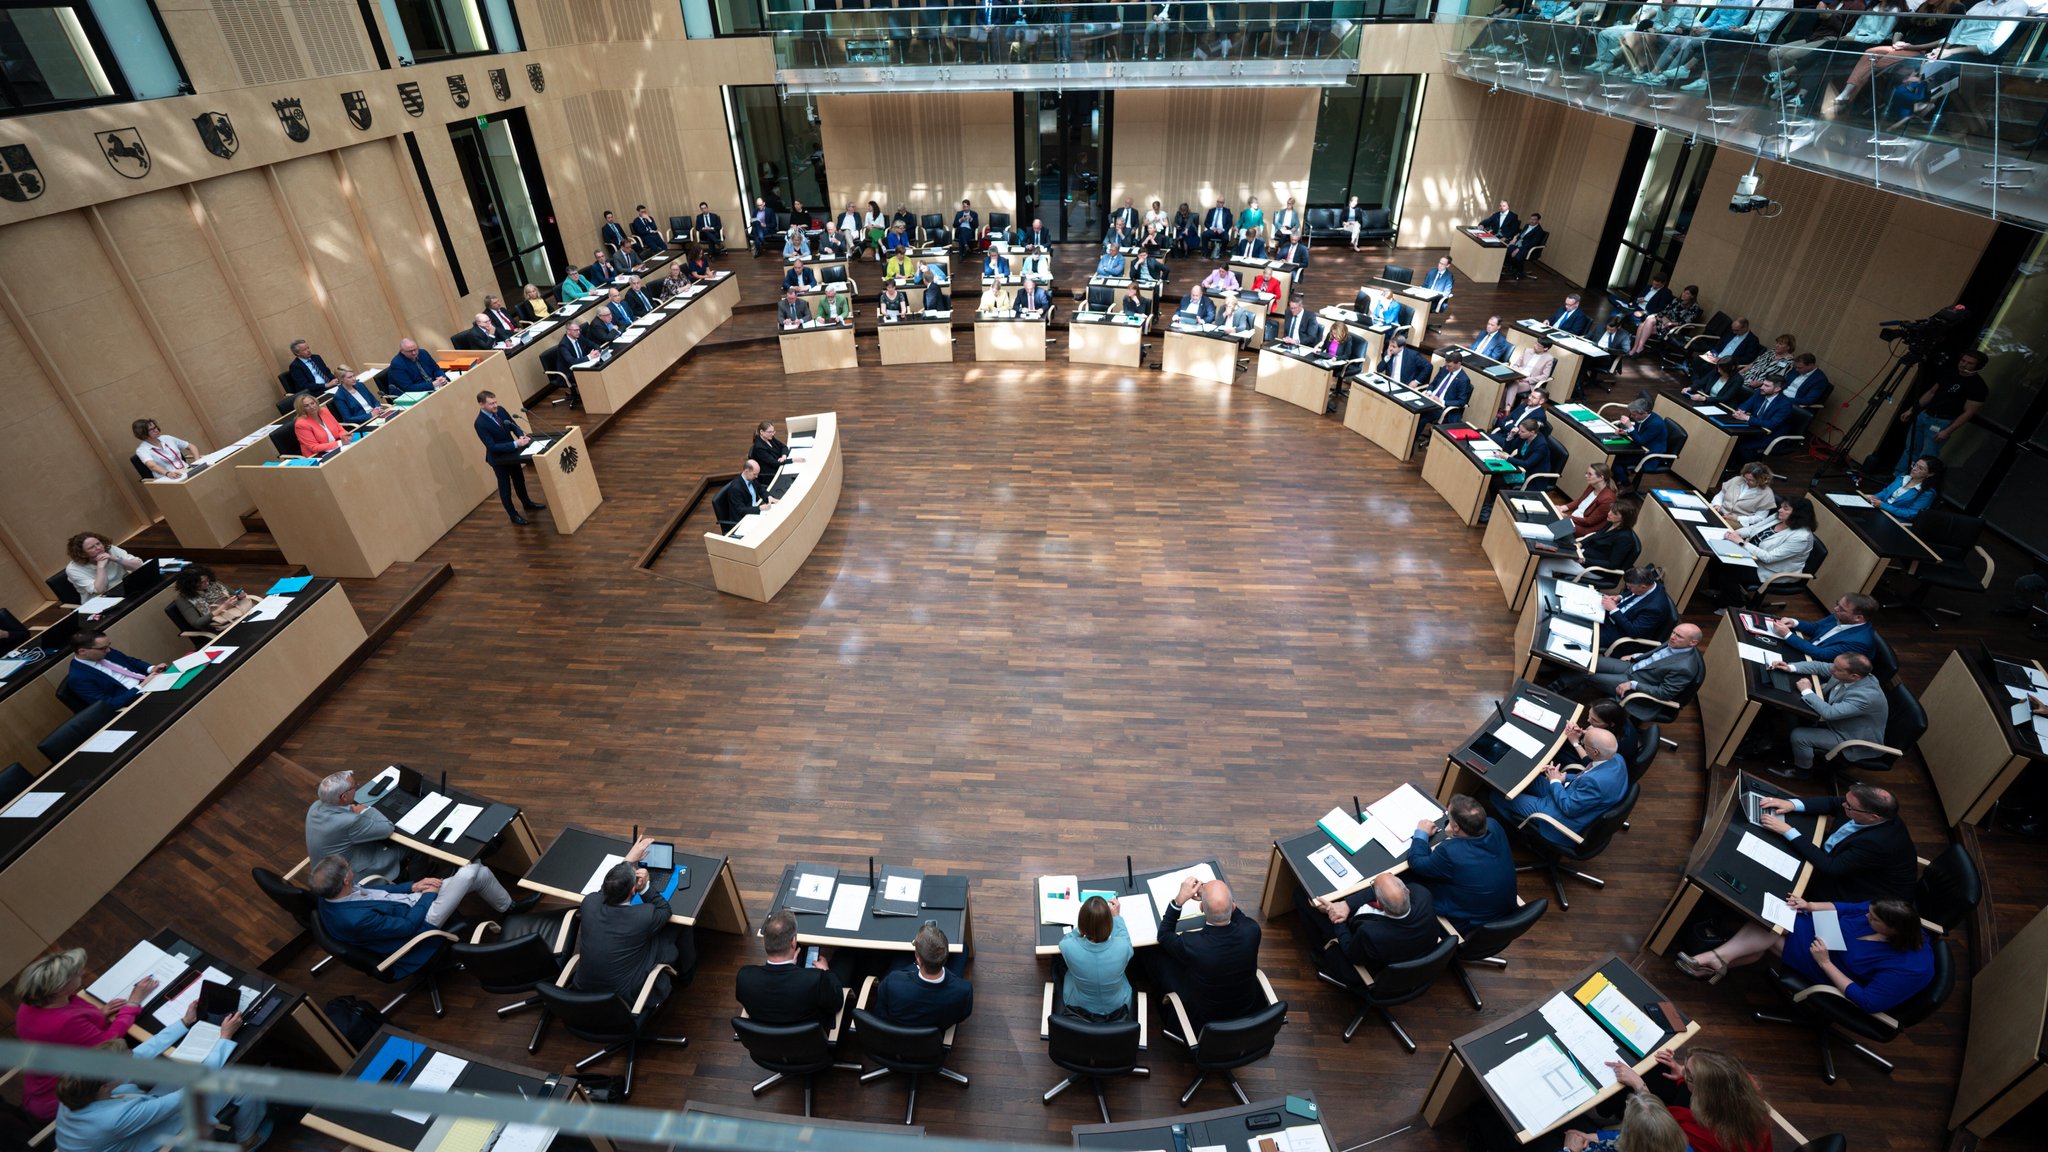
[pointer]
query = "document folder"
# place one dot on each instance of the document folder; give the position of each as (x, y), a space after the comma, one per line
(944, 893)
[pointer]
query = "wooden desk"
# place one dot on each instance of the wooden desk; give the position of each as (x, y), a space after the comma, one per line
(527, 374)
(815, 349)
(498, 835)
(1221, 1128)
(1095, 340)
(29, 708)
(392, 1132)
(1864, 543)
(1573, 354)
(1248, 270)
(204, 510)
(2005, 1059)
(1969, 719)
(666, 335)
(1478, 255)
(1674, 546)
(1460, 1078)
(1203, 355)
(1716, 865)
(1534, 635)
(1125, 886)
(55, 866)
(916, 340)
(1735, 690)
(392, 495)
(1514, 557)
(1389, 414)
(1515, 771)
(1296, 377)
(568, 479)
(876, 933)
(1455, 470)
(565, 872)
(1708, 444)
(1490, 378)
(1588, 439)
(1289, 866)
(766, 548)
(999, 337)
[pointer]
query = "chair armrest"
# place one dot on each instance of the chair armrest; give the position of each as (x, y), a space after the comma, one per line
(415, 942)
(299, 869)
(1872, 745)
(946, 1041)
(1144, 1020)
(1616, 572)
(1045, 1013)
(1772, 446)
(562, 933)
(1602, 410)
(1453, 932)
(1180, 1016)
(1266, 987)
(839, 1017)
(1674, 705)
(1647, 457)
(647, 987)
(1547, 818)
(867, 988)
(1630, 640)
(562, 981)
(1812, 990)
(477, 937)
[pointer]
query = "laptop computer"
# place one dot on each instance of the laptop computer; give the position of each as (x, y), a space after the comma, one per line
(1753, 807)
(2011, 675)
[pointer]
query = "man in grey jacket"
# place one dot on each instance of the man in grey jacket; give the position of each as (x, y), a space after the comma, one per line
(1668, 672)
(338, 826)
(1849, 701)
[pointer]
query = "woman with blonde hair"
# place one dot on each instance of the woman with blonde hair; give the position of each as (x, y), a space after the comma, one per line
(317, 429)
(53, 1012)
(1646, 1126)
(1713, 1098)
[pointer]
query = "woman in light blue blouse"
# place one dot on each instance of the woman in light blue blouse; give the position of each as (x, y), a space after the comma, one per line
(1913, 491)
(1095, 955)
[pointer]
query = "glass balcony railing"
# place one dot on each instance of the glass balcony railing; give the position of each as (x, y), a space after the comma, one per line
(1947, 108)
(1210, 41)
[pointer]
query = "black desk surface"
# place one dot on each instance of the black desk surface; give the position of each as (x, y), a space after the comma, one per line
(482, 1075)
(1117, 318)
(1735, 428)
(1487, 1048)
(1515, 771)
(78, 775)
(1175, 327)
(1545, 590)
(1756, 678)
(2001, 701)
(1718, 865)
(251, 1036)
(1876, 528)
(1474, 362)
(883, 933)
(1687, 529)
(55, 640)
(482, 833)
(913, 317)
(1225, 1126)
(567, 865)
(1369, 861)
(1400, 393)
(1310, 356)
(1615, 444)
(1351, 318)
(1123, 885)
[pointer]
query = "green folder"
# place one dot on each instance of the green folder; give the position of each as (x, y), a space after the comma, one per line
(410, 399)
(1500, 466)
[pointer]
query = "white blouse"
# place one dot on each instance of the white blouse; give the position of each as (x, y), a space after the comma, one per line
(168, 455)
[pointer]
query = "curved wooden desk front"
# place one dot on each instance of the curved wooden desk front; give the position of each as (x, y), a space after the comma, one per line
(771, 545)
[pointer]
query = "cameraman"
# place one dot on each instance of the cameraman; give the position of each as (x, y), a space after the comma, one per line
(1944, 407)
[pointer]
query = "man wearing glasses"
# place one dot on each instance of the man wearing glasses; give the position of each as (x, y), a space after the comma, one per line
(1867, 856)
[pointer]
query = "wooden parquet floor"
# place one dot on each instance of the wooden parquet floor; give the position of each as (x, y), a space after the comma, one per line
(1062, 615)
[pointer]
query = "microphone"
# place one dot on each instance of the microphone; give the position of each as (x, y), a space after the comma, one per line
(1357, 811)
(1130, 880)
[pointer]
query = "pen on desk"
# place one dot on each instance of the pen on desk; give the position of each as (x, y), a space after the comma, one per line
(1513, 1039)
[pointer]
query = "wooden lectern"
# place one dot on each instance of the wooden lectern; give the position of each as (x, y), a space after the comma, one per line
(569, 481)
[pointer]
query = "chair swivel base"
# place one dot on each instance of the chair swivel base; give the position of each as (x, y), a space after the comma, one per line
(1203, 1078)
(1827, 1036)
(910, 1108)
(540, 1026)
(1101, 1101)
(1465, 977)
(810, 1081)
(631, 1049)
(431, 982)
(1557, 874)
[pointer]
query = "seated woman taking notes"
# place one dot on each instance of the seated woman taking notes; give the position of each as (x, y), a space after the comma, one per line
(205, 604)
(317, 429)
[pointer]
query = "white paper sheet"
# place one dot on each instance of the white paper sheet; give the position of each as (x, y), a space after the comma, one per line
(1678, 499)
(1769, 855)
(172, 1010)
(1165, 887)
(145, 959)
(1577, 635)
(1537, 714)
(99, 604)
(1579, 600)
(814, 885)
(849, 907)
(1519, 740)
(1346, 829)
(1778, 913)
(1755, 654)
(902, 889)
(1827, 928)
(1582, 1036)
(1532, 507)
(1528, 531)
(197, 1043)
(1140, 918)
(105, 740)
(1333, 866)
(596, 880)
(1399, 812)
(1712, 410)
(268, 608)
(1689, 515)
(1539, 1085)
(188, 661)
(438, 1076)
(523, 1138)
(457, 822)
(30, 805)
(422, 813)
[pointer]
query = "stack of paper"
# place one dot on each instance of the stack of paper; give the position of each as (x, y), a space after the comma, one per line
(1398, 812)
(596, 880)
(105, 740)
(437, 1076)
(1754, 654)
(1530, 531)
(1165, 887)
(1519, 740)
(1140, 919)
(1579, 600)
(1621, 1017)
(429, 807)
(1582, 1037)
(1536, 714)
(1769, 855)
(99, 604)
(1539, 1085)
(145, 959)
(30, 805)
(1848, 500)
(628, 336)
(1678, 499)
(268, 608)
(1059, 899)
(1344, 829)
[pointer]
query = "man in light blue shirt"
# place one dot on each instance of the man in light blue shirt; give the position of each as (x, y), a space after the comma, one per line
(1439, 280)
(101, 1116)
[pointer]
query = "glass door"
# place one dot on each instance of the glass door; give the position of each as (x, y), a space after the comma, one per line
(1062, 158)
(1657, 222)
(502, 172)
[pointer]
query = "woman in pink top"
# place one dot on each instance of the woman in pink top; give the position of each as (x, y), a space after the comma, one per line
(53, 1012)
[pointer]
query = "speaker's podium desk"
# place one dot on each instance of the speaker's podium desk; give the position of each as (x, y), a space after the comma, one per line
(561, 462)
(765, 549)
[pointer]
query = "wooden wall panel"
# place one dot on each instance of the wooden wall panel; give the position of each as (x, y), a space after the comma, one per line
(265, 262)
(1199, 145)
(925, 150)
(415, 278)
(339, 259)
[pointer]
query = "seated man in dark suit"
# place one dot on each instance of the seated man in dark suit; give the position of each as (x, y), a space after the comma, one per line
(1649, 431)
(1765, 409)
(1195, 308)
(614, 234)
(381, 917)
(412, 370)
(1523, 245)
(1571, 800)
(1868, 855)
(929, 993)
(741, 497)
(1250, 246)
(1642, 608)
(1294, 252)
(1402, 363)
(1374, 927)
(601, 269)
(1213, 971)
(799, 276)
(1733, 354)
(100, 672)
(647, 233)
(636, 298)
(1299, 327)
(308, 371)
(1846, 629)
(793, 309)
(573, 349)
(1652, 302)
(1451, 386)
(1808, 385)
(600, 329)
(480, 336)
(1032, 297)
(783, 991)
(934, 296)
(1572, 317)
(709, 228)
(1470, 874)
(623, 932)
(1152, 269)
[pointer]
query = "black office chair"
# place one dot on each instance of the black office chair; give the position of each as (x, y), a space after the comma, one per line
(1394, 984)
(1955, 538)
(1362, 303)
(1791, 436)
(1905, 723)
(141, 469)
(286, 441)
(932, 229)
(1831, 1016)
(73, 732)
(1833, 1142)
(380, 966)
(1097, 1051)
(1584, 845)
(1100, 298)
(605, 1018)
(1484, 943)
(1223, 1046)
(530, 950)
(998, 226)
(915, 1052)
(69, 697)
(1674, 444)
(834, 274)
(185, 630)
(14, 780)
(1683, 341)
(1399, 274)
(1884, 663)
(296, 902)
(1376, 224)
(1786, 583)
(60, 587)
(789, 1050)
(1948, 891)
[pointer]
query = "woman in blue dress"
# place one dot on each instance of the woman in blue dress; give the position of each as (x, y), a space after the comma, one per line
(1885, 961)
